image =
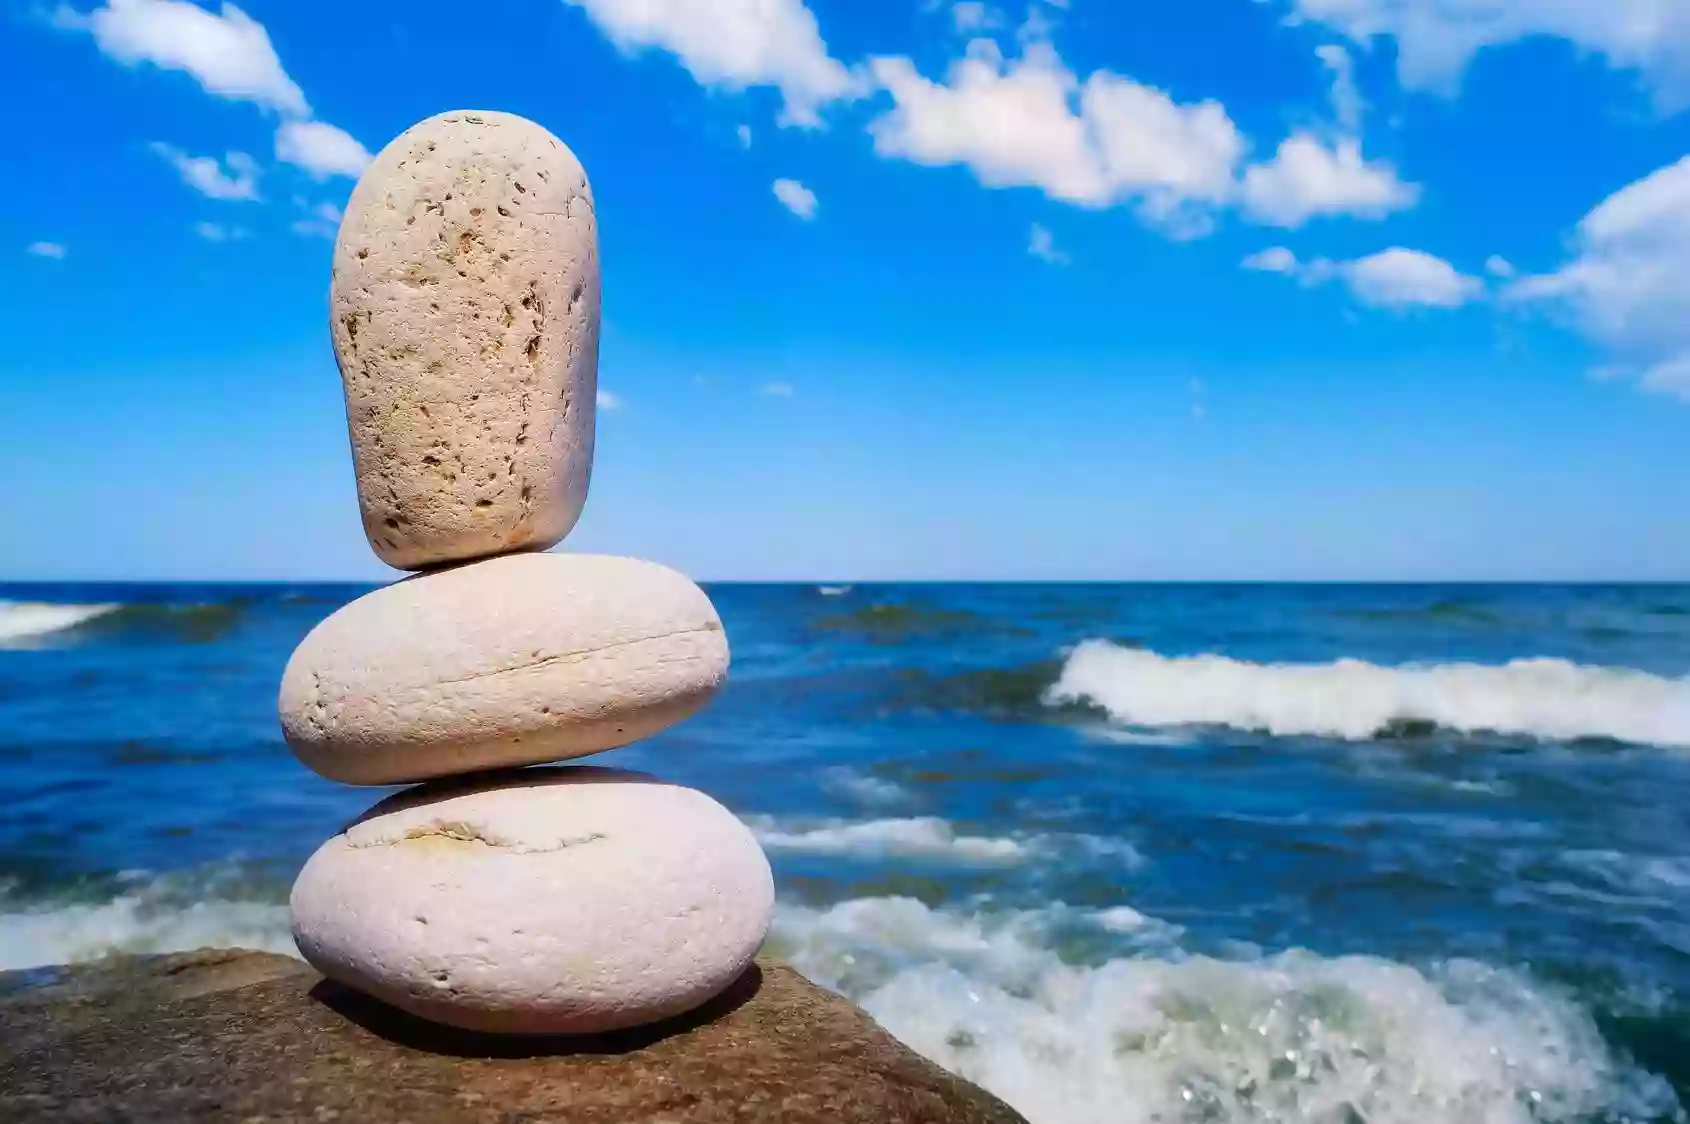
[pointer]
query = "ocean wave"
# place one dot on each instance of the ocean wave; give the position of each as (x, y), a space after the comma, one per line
(1289, 1037)
(928, 837)
(24, 620)
(866, 789)
(1151, 1035)
(198, 623)
(1541, 698)
(152, 917)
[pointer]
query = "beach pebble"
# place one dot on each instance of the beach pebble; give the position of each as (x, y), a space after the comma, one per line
(515, 660)
(465, 318)
(544, 901)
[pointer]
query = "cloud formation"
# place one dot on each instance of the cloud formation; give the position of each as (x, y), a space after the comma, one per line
(1627, 288)
(235, 178)
(227, 52)
(230, 55)
(1436, 40)
(1309, 179)
(1109, 140)
(1027, 119)
(1042, 245)
(733, 44)
(1031, 122)
(53, 250)
(972, 16)
(321, 149)
(1396, 278)
(796, 198)
(1347, 104)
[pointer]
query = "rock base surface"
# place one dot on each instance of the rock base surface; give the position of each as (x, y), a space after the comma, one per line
(253, 1038)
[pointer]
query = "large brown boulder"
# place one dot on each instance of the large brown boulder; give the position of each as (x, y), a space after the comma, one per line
(253, 1038)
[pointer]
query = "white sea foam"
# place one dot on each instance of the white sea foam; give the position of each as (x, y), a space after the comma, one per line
(140, 921)
(865, 789)
(1543, 698)
(1288, 1038)
(21, 620)
(1291, 1039)
(1126, 919)
(926, 837)
(917, 837)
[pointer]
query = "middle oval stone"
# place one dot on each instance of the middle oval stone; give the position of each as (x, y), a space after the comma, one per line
(515, 660)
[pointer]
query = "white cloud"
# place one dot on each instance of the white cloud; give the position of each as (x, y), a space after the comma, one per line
(745, 136)
(797, 198)
(1671, 377)
(1437, 39)
(235, 178)
(1396, 278)
(1042, 245)
(733, 44)
(1011, 123)
(1347, 105)
(608, 401)
(777, 390)
(231, 56)
(54, 250)
(1030, 122)
(970, 16)
(226, 51)
(1399, 278)
(1628, 288)
(1307, 179)
(1274, 260)
(321, 149)
(1498, 266)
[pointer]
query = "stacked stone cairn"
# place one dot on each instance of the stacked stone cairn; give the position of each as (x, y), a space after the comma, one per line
(494, 896)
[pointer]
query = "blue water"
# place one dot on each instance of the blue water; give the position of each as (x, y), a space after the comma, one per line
(1359, 865)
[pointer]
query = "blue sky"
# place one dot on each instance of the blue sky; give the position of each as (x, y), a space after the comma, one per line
(1326, 289)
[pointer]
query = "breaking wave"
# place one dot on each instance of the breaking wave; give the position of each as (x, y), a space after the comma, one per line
(866, 789)
(23, 620)
(927, 837)
(1541, 698)
(161, 915)
(1293, 1037)
(1151, 1035)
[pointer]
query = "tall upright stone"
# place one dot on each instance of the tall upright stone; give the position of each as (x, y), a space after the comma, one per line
(465, 319)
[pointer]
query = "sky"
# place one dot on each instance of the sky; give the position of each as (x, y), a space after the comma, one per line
(895, 289)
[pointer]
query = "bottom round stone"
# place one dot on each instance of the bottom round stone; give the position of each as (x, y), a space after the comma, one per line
(545, 901)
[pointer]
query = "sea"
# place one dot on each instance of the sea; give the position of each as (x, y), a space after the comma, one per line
(1324, 854)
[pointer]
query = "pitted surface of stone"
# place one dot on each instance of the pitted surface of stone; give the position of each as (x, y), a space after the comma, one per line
(465, 319)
